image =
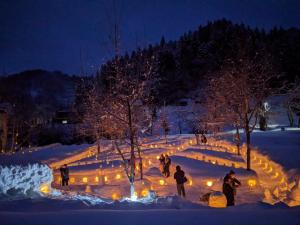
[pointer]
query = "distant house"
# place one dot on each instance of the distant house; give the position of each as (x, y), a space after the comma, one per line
(65, 117)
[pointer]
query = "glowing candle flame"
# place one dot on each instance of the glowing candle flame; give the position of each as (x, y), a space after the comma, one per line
(45, 189)
(84, 179)
(209, 183)
(161, 182)
(251, 182)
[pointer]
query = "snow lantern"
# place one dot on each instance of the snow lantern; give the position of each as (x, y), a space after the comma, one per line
(88, 189)
(209, 183)
(269, 197)
(295, 193)
(45, 188)
(217, 200)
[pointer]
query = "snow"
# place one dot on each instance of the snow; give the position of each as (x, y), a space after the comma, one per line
(46, 154)
(281, 146)
(258, 214)
(92, 202)
(17, 181)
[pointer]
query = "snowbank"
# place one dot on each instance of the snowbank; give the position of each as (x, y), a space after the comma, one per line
(25, 180)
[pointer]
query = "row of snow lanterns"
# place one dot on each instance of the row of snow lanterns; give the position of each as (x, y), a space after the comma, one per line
(267, 167)
(96, 179)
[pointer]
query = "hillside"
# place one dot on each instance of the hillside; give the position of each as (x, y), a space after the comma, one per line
(182, 65)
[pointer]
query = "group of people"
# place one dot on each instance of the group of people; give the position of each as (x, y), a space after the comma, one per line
(165, 163)
(230, 183)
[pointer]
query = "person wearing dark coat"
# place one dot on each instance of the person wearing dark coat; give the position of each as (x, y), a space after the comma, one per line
(162, 162)
(180, 180)
(230, 183)
(167, 166)
(64, 173)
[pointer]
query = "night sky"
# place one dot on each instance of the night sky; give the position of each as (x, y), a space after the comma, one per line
(50, 34)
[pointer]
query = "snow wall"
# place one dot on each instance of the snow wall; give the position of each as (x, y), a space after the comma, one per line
(25, 180)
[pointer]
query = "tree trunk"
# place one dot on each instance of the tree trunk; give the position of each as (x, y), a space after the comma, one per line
(247, 131)
(140, 159)
(238, 140)
(12, 147)
(98, 148)
(131, 137)
(197, 138)
(166, 138)
(290, 116)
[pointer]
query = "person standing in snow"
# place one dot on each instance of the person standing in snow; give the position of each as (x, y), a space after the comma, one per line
(167, 166)
(64, 173)
(180, 180)
(230, 184)
(162, 162)
(203, 138)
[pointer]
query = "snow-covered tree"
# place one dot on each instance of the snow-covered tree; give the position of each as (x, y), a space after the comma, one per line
(164, 123)
(293, 104)
(128, 91)
(236, 93)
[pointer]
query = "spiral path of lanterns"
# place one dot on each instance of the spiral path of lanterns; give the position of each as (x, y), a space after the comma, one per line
(110, 169)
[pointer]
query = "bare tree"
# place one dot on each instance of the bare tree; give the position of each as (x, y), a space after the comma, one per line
(293, 104)
(236, 93)
(125, 107)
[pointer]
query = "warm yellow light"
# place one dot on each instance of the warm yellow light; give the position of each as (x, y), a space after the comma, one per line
(72, 180)
(209, 183)
(270, 170)
(213, 162)
(58, 180)
(145, 193)
(115, 196)
(190, 182)
(252, 182)
(105, 178)
(157, 157)
(191, 142)
(84, 179)
(156, 146)
(45, 189)
(161, 182)
(178, 148)
(149, 161)
(97, 179)
(118, 176)
(276, 175)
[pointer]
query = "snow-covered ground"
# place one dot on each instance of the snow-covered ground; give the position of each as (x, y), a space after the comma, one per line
(99, 190)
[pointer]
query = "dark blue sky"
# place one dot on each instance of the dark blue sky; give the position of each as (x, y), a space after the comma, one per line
(50, 34)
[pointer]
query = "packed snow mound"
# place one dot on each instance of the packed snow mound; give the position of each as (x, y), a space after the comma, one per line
(26, 180)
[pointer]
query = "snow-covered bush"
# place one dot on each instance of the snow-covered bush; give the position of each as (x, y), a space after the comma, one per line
(27, 180)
